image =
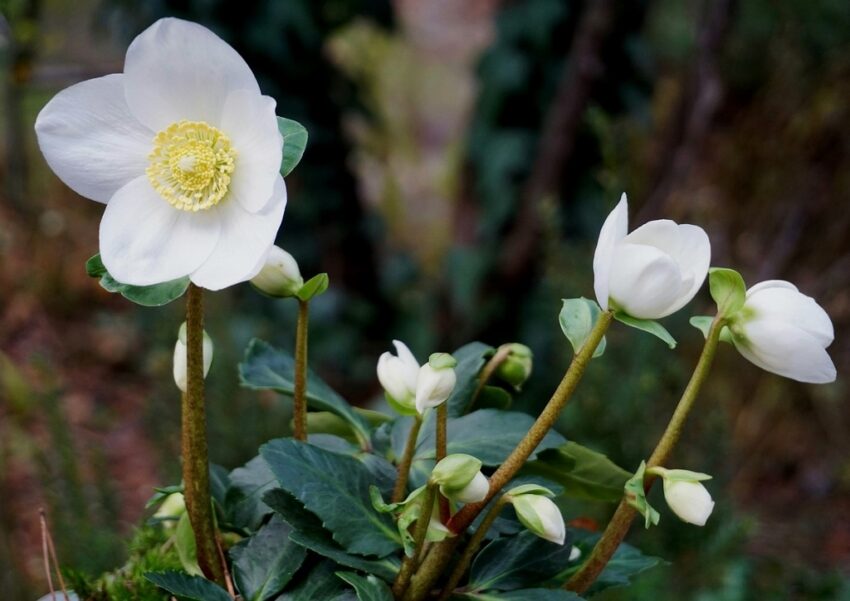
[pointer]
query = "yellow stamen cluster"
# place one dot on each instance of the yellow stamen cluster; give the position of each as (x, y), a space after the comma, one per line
(190, 165)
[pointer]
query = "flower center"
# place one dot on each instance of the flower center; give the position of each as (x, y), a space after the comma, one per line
(190, 165)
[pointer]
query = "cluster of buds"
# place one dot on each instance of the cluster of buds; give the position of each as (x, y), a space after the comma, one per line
(460, 478)
(412, 388)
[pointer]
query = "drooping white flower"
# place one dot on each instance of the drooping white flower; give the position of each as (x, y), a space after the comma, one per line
(436, 381)
(784, 332)
(279, 275)
(690, 501)
(181, 358)
(539, 514)
(184, 151)
(399, 375)
(652, 272)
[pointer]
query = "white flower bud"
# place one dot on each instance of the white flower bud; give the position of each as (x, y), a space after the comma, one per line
(474, 492)
(455, 471)
(652, 272)
(784, 332)
(436, 381)
(541, 516)
(181, 359)
(279, 275)
(689, 500)
(398, 375)
(172, 507)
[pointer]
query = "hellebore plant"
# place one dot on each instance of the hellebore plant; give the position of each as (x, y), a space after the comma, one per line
(453, 495)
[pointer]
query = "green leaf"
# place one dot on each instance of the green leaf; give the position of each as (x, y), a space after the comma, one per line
(647, 325)
(319, 583)
(702, 323)
(577, 318)
(627, 563)
(470, 359)
(188, 587)
(584, 473)
(636, 497)
(516, 562)
(267, 368)
(265, 563)
(526, 594)
(294, 143)
(336, 488)
(309, 533)
(184, 542)
(147, 296)
(493, 397)
(368, 587)
(727, 289)
(245, 507)
(313, 287)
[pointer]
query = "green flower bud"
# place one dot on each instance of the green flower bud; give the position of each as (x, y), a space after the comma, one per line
(455, 472)
(516, 368)
(541, 516)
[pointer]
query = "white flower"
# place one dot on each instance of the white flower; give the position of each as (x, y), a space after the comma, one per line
(539, 514)
(181, 359)
(436, 381)
(398, 375)
(688, 500)
(279, 275)
(785, 332)
(474, 492)
(460, 479)
(652, 272)
(184, 151)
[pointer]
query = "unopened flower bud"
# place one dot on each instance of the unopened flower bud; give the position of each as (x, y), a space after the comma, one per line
(172, 508)
(279, 275)
(685, 495)
(516, 368)
(474, 492)
(541, 516)
(455, 472)
(398, 375)
(436, 381)
(181, 359)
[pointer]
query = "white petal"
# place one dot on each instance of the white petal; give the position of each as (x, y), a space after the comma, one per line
(180, 70)
(474, 492)
(250, 122)
(91, 140)
(433, 386)
(690, 501)
(181, 365)
(613, 230)
(144, 240)
(644, 281)
(770, 284)
(786, 350)
(779, 303)
(245, 240)
(409, 363)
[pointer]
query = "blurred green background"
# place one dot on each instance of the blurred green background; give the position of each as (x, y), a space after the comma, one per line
(463, 155)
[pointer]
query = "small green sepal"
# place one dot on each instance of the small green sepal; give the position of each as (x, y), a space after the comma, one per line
(294, 143)
(577, 318)
(155, 295)
(647, 325)
(636, 497)
(313, 287)
(530, 489)
(727, 289)
(442, 361)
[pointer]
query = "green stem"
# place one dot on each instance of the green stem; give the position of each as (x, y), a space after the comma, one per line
(196, 475)
(619, 525)
(440, 556)
(406, 459)
(299, 395)
(408, 564)
(472, 548)
(488, 370)
(440, 453)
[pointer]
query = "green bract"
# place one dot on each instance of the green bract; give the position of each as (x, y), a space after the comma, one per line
(294, 143)
(636, 497)
(455, 471)
(577, 318)
(727, 289)
(147, 296)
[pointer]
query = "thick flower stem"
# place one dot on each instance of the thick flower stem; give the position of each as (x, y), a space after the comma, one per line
(619, 525)
(406, 459)
(440, 453)
(299, 395)
(409, 564)
(196, 478)
(439, 557)
(472, 548)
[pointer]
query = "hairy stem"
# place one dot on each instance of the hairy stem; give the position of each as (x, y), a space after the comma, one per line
(406, 459)
(299, 395)
(619, 525)
(487, 372)
(409, 564)
(440, 453)
(196, 475)
(472, 548)
(440, 556)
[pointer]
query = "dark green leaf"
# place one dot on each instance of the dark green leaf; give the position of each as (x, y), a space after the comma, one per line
(623, 567)
(313, 287)
(189, 587)
(147, 296)
(584, 473)
(265, 563)
(368, 587)
(493, 397)
(219, 483)
(647, 325)
(727, 289)
(268, 368)
(245, 507)
(526, 594)
(470, 359)
(319, 583)
(336, 488)
(577, 318)
(516, 562)
(309, 533)
(294, 142)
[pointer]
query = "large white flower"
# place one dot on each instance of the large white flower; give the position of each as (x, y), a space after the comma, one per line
(652, 272)
(785, 332)
(184, 151)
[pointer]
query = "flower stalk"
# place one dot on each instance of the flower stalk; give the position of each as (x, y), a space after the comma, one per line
(194, 443)
(299, 395)
(441, 444)
(619, 525)
(400, 489)
(408, 564)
